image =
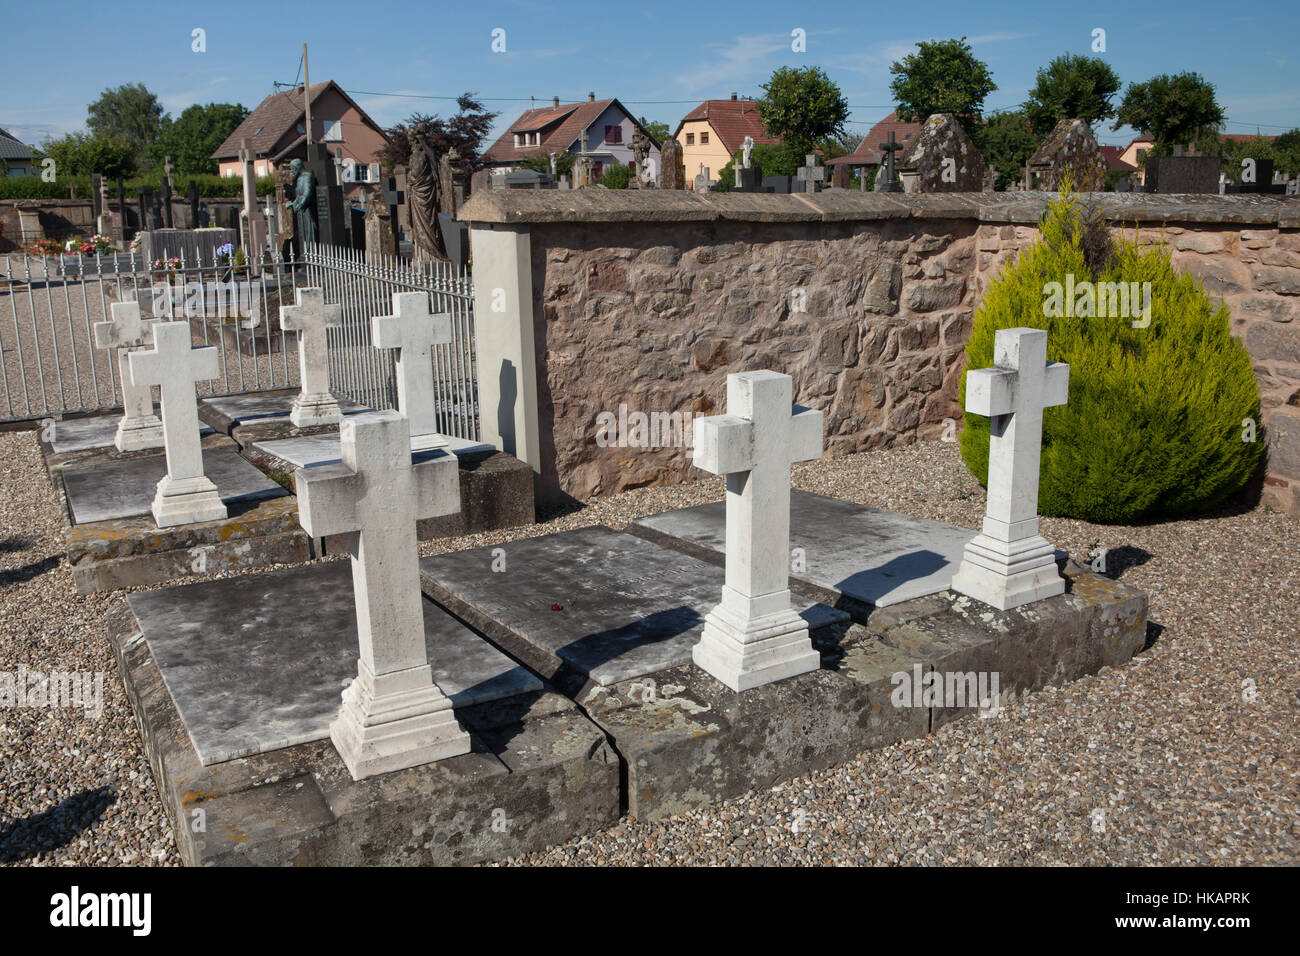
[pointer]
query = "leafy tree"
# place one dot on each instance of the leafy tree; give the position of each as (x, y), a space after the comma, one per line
(1006, 142)
(542, 162)
(1173, 109)
(658, 131)
(614, 175)
(80, 154)
(770, 159)
(1071, 87)
(802, 106)
(466, 131)
(131, 112)
(943, 77)
(191, 138)
(1286, 152)
(834, 147)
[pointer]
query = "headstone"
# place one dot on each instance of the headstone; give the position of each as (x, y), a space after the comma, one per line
(702, 183)
(673, 175)
(887, 175)
(811, 175)
(331, 226)
(205, 217)
(380, 237)
(777, 184)
(1069, 149)
(168, 168)
(310, 318)
(840, 176)
(413, 331)
(121, 235)
(96, 198)
(754, 636)
(941, 158)
(455, 239)
(185, 495)
(393, 715)
(1256, 176)
(139, 427)
(1182, 174)
(192, 197)
(1009, 563)
(252, 226)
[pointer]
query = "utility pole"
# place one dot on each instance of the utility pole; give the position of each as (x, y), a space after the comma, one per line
(306, 91)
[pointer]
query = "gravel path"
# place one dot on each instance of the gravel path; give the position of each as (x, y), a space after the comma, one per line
(1161, 761)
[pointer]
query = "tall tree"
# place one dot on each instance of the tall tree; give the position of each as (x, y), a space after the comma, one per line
(466, 131)
(1071, 87)
(1006, 141)
(191, 138)
(1173, 109)
(130, 111)
(658, 131)
(802, 106)
(943, 76)
(80, 154)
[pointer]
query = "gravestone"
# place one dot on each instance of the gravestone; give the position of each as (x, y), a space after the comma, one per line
(1069, 149)
(413, 331)
(1182, 174)
(941, 158)
(310, 317)
(840, 176)
(185, 495)
(96, 198)
(1009, 563)
(393, 715)
(673, 174)
(702, 183)
(887, 176)
(1256, 176)
(380, 236)
(139, 427)
(192, 197)
(777, 184)
(331, 226)
(754, 636)
(455, 239)
(811, 175)
(746, 176)
(168, 169)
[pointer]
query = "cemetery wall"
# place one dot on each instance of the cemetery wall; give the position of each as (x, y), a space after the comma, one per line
(65, 218)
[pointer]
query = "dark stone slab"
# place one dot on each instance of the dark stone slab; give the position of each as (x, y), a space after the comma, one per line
(257, 663)
(871, 557)
(125, 488)
(230, 411)
(540, 773)
(83, 434)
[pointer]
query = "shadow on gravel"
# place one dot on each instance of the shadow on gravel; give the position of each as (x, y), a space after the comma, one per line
(1119, 560)
(1154, 631)
(28, 571)
(56, 827)
(14, 543)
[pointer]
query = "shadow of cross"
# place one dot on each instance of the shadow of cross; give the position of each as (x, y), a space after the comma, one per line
(139, 427)
(754, 636)
(1008, 563)
(393, 715)
(185, 494)
(310, 317)
(413, 330)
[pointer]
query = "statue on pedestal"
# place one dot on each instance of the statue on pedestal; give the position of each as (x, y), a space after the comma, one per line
(422, 196)
(303, 203)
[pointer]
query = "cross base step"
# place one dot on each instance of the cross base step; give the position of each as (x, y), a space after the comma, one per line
(744, 654)
(187, 501)
(1008, 574)
(134, 434)
(315, 410)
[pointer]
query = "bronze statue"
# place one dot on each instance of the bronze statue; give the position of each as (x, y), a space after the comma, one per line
(303, 203)
(422, 197)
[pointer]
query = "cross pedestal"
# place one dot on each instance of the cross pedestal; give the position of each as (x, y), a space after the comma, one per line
(393, 715)
(185, 494)
(413, 330)
(1009, 563)
(310, 317)
(139, 426)
(754, 636)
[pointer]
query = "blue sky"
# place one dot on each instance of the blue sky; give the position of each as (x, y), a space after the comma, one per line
(660, 58)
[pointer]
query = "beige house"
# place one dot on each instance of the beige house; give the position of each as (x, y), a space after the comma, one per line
(1135, 151)
(711, 134)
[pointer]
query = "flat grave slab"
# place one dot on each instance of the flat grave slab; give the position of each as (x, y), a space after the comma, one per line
(228, 411)
(873, 558)
(234, 683)
(313, 450)
(125, 488)
(84, 434)
(627, 607)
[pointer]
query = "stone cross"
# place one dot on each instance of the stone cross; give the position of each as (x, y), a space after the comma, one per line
(393, 715)
(891, 183)
(1008, 563)
(185, 494)
(413, 331)
(702, 180)
(139, 426)
(310, 317)
(810, 174)
(754, 636)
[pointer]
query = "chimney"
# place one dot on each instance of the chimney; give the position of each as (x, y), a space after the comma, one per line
(555, 102)
(591, 97)
(733, 97)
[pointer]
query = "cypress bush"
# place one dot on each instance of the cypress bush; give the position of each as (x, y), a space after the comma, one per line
(1154, 424)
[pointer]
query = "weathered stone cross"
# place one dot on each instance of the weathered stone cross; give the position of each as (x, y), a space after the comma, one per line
(754, 636)
(185, 494)
(413, 331)
(139, 426)
(393, 715)
(810, 174)
(310, 317)
(1009, 564)
(891, 183)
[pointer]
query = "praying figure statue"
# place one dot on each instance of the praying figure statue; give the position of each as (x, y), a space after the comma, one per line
(303, 203)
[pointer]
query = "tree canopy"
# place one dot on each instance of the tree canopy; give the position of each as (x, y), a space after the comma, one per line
(80, 154)
(1006, 141)
(802, 106)
(191, 138)
(1071, 87)
(943, 76)
(131, 112)
(466, 131)
(1173, 109)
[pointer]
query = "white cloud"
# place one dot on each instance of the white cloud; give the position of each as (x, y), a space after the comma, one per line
(734, 62)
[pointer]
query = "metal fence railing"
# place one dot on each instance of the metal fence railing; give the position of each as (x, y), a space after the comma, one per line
(49, 305)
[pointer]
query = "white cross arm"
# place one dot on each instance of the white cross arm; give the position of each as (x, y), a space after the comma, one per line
(293, 318)
(805, 434)
(1056, 384)
(110, 335)
(990, 391)
(724, 444)
(147, 368)
(327, 498)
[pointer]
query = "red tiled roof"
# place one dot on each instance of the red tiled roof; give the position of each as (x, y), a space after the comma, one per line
(731, 121)
(560, 128)
(1113, 161)
(275, 116)
(1245, 137)
(867, 154)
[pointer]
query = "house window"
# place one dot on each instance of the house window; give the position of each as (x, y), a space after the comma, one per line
(690, 139)
(613, 134)
(704, 139)
(333, 131)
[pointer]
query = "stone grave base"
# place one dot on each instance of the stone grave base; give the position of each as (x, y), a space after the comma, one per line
(264, 416)
(71, 441)
(248, 775)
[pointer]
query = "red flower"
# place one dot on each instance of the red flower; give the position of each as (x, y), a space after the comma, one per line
(555, 607)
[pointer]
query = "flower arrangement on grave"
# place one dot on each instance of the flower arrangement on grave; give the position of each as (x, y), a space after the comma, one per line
(44, 247)
(88, 247)
(166, 268)
(136, 243)
(1160, 391)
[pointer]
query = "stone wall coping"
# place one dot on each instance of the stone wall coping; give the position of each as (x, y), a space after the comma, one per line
(527, 206)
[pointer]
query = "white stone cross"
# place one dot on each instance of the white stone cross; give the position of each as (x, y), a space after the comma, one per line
(413, 331)
(1008, 563)
(393, 715)
(754, 636)
(810, 174)
(139, 426)
(310, 317)
(185, 494)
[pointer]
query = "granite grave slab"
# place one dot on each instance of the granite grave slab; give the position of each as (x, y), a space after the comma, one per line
(589, 606)
(264, 416)
(86, 434)
(311, 451)
(852, 556)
